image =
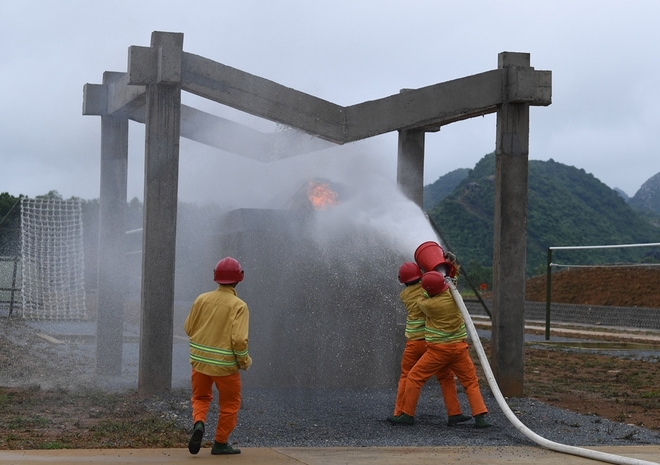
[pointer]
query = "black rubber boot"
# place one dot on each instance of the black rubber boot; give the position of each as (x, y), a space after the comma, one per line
(223, 449)
(456, 419)
(196, 439)
(402, 419)
(480, 422)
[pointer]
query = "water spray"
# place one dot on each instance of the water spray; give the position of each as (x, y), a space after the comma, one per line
(465, 274)
(558, 447)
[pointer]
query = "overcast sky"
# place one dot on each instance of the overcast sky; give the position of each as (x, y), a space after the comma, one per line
(604, 57)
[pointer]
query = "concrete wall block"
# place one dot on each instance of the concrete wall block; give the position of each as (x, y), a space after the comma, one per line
(142, 65)
(170, 50)
(95, 99)
(123, 98)
(543, 95)
(525, 85)
(517, 59)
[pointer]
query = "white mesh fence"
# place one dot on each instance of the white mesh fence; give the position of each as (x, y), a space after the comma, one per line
(52, 278)
(625, 317)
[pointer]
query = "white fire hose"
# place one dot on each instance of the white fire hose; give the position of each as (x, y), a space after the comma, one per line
(588, 453)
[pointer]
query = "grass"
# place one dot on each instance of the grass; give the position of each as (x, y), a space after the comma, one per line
(84, 419)
(51, 445)
(584, 381)
(147, 431)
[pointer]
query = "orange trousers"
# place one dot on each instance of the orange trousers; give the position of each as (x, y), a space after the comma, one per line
(411, 354)
(439, 357)
(229, 400)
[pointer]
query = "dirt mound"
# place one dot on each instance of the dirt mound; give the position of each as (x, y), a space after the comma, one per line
(621, 287)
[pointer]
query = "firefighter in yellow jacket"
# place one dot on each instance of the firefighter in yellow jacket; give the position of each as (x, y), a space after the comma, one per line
(411, 275)
(218, 330)
(446, 349)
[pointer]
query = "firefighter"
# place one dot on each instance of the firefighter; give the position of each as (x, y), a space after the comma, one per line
(410, 274)
(218, 330)
(446, 348)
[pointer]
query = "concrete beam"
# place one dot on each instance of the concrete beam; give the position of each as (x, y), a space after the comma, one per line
(261, 97)
(95, 99)
(528, 86)
(125, 98)
(227, 135)
(114, 97)
(427, 107)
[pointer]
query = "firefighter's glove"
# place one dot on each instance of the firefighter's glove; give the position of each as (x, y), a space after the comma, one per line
(246, 364)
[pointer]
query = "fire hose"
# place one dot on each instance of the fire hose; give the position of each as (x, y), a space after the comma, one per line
(566, 449)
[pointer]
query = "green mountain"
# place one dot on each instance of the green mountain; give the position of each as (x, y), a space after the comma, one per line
(646, 200)
(648, 196)
(566, 207)
(622, 194)
(445, 185)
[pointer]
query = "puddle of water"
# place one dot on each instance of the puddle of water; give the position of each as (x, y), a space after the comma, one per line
(604, 345)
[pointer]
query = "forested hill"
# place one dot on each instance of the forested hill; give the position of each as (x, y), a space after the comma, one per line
(442, 187)
(566, 207)
(646, 201)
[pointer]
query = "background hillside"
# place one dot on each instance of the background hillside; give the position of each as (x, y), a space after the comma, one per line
(445, 185)
(566, 207)
(646, 201)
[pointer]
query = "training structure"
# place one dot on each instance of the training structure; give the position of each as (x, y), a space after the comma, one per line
(150, 92)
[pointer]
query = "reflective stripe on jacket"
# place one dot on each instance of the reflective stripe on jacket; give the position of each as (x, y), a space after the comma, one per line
(444, 322)
(218, 330)
(416, 320)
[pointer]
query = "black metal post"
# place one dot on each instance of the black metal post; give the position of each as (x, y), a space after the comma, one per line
(548, 294)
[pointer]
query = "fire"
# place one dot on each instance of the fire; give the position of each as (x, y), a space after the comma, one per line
(321, 195)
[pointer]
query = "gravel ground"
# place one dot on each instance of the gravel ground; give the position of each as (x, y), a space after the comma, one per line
(357, 418)
(298, 417)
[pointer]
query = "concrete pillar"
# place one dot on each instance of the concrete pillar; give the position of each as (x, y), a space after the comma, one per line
(410, 164)
(162, 129)
(510, 235)
(112, 230)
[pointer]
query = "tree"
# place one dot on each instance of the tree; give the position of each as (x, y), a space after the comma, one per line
(53, 195)
(10, 224)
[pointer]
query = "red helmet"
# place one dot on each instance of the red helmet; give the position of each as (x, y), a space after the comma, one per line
(228, 271)
(430, 256)
(434, 283)
(409, 272)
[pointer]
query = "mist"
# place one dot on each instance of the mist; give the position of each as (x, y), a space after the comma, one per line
(315, 279)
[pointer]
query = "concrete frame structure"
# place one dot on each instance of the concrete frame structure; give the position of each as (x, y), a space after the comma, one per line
(150, 92)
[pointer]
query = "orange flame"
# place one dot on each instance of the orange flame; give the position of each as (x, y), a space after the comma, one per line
(321, 195)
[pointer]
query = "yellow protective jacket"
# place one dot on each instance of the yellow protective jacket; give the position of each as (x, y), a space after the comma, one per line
(444, 322)
(218, 330)
(416, 320)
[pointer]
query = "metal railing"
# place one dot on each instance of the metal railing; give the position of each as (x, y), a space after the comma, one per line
(548, 288)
